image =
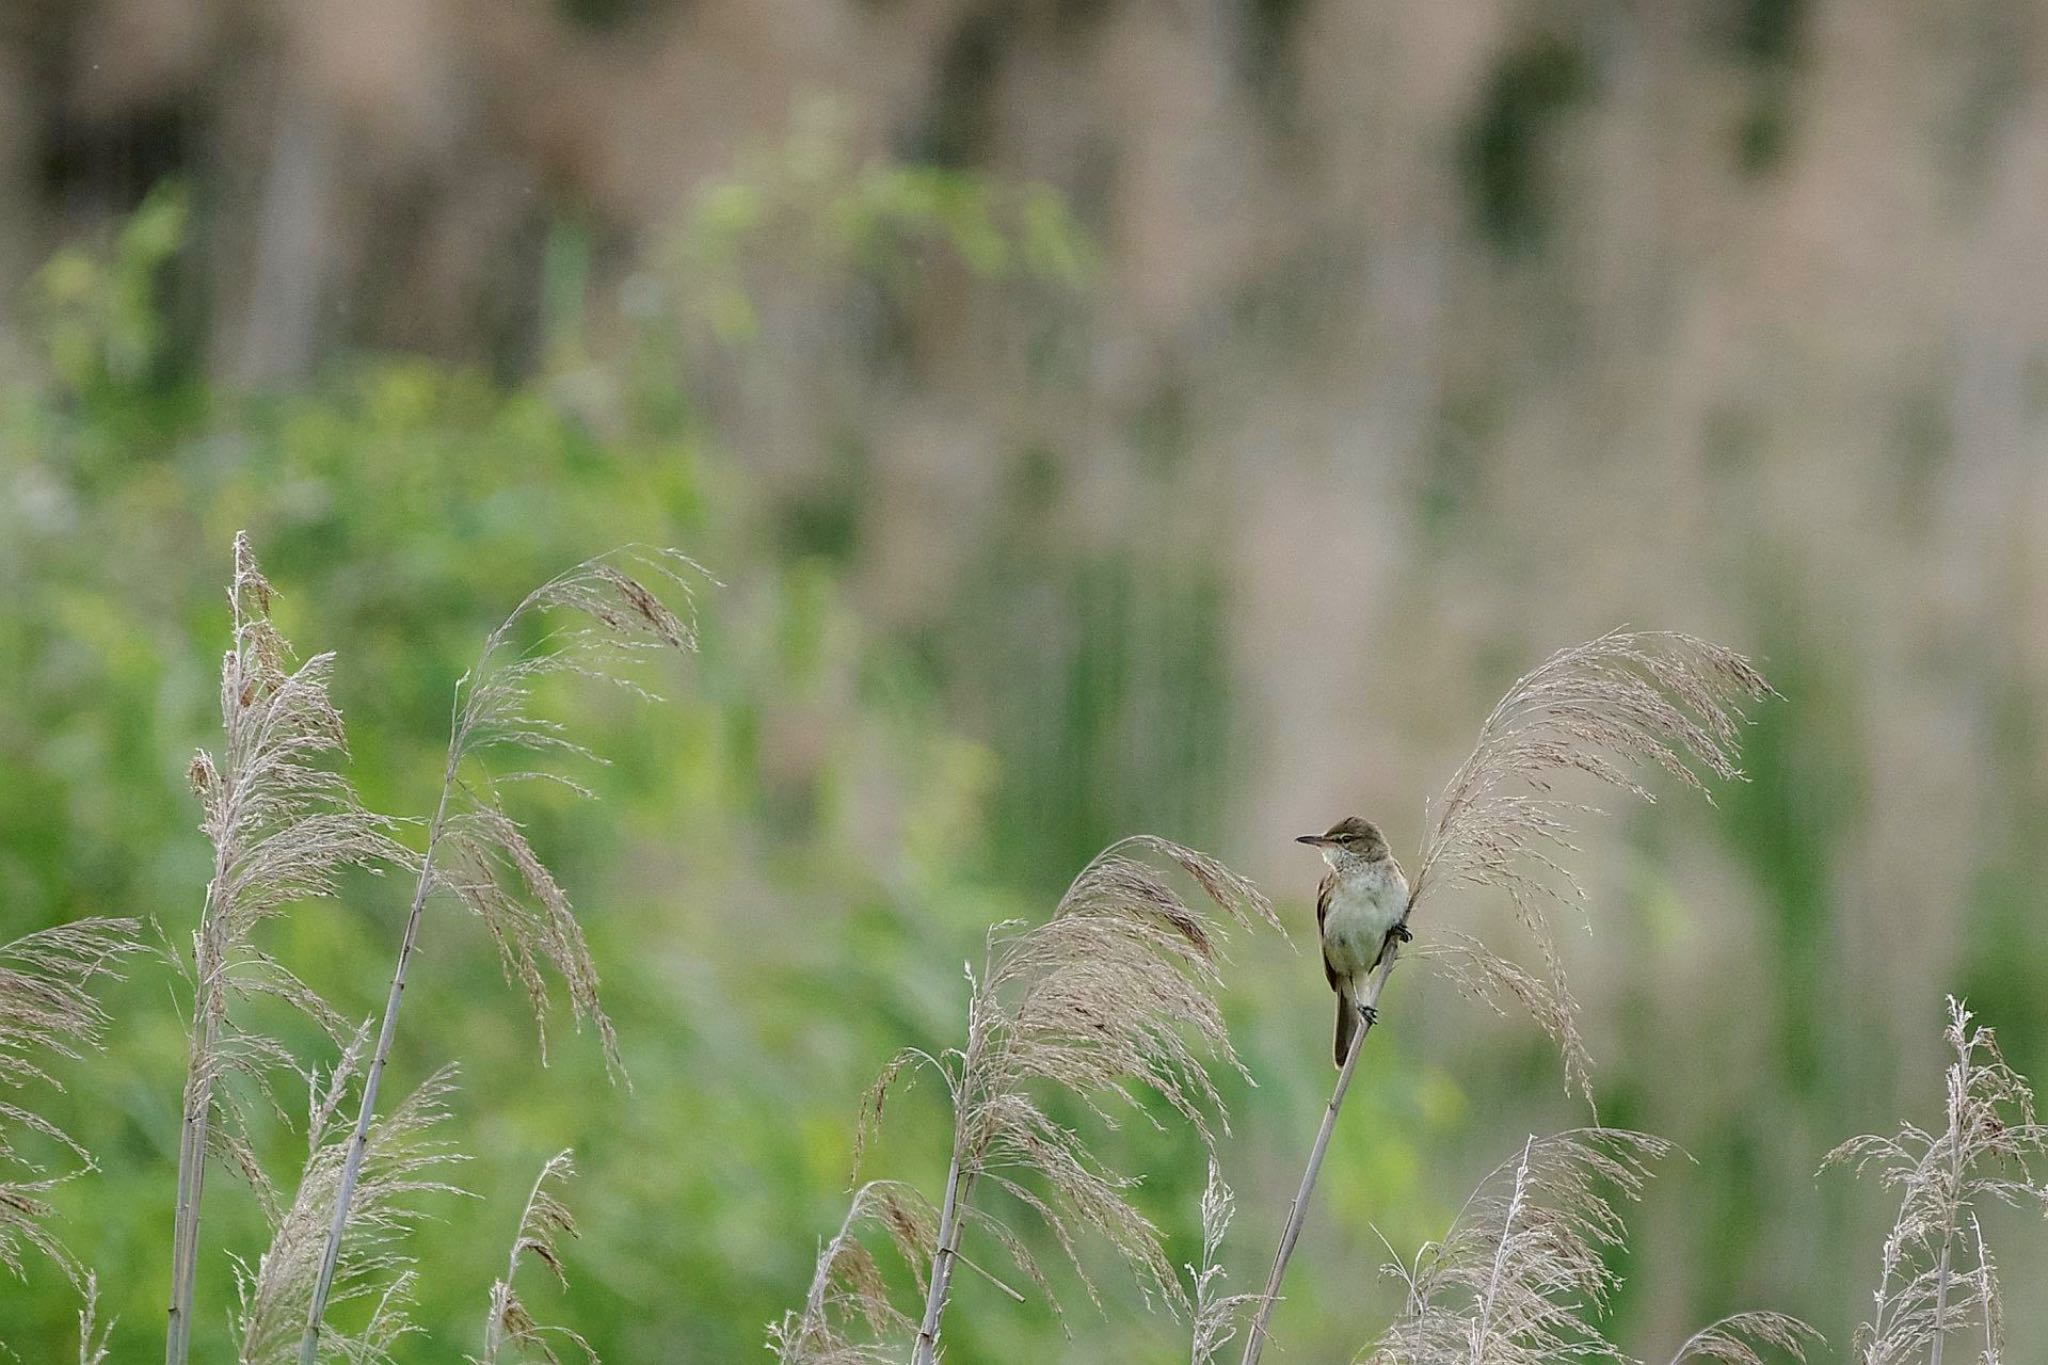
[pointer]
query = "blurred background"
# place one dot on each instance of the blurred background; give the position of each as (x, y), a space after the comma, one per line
(1105, 417)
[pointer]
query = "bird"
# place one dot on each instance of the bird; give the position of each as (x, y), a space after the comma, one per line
(1361, 907)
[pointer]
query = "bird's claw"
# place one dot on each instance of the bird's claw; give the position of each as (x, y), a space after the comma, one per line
(1370, 1014)
(1400, 934)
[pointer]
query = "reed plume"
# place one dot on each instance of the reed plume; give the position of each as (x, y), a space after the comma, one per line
(403, 1161)
(1607, 708)
(92, 1335)
(1504, 985)
(1111, 997)
(1744, 1338)
(849, 1290)
(1936, 1273)
(1214, 1314)
(477, 853)
(542, 1223)
(47, 1012)
(283, 827)
(1524, 1277)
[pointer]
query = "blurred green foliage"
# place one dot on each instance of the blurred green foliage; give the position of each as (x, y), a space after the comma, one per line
(1508, 147)
(102, 324)
(807, 201)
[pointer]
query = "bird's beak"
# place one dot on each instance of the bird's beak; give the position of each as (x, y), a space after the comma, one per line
(1314, 840)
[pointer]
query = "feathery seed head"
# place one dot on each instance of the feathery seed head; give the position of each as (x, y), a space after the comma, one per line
(1608, 709)
(542, 1224)
(401, 1163)
(482, 856)
(47, 1012)
(1522, 1276)
(1936, 1273)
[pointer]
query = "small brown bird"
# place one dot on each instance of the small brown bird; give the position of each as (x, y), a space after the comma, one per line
(1361, 905)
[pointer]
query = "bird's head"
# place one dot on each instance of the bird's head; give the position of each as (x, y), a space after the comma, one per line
(1349, 838)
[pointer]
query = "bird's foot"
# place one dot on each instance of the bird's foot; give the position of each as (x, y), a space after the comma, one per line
(1400, 933)
(1370, 1014)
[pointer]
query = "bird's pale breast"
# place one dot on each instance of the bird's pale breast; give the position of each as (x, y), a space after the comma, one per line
(1363, 907)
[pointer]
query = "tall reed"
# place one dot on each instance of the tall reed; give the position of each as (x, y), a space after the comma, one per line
(1214, 1316)
(1936, 1273)
(477, 853)
(47, 1012)
(848, 1283)
(1115, 991)
(1525, 1273)
(1605, 709)
(1112, 995)
(404, 1159)
(543, 1223)
(283, 826)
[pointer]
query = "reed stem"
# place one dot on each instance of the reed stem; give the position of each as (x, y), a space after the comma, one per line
(1297, 1213)
(945, 1251)
(352, 1164)
(208, 964)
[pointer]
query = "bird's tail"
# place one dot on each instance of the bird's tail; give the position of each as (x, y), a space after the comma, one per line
(1347, 1023)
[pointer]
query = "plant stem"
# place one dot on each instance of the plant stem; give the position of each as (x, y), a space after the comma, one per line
(945, 1251)
(192, 1137)
(821, 1280)
(1500, 1252)
(1940, 1305)
(1297, 1213)
(208, 963)
(352, 1164)
(1959, 1088)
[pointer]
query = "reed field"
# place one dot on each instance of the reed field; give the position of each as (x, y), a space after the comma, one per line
(658, 664)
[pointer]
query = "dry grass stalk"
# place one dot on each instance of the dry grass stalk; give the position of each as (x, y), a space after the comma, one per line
(1112, 996)
(478, 853)
(1522, 1277)
(1215, 1314)
(92, 1336)
(401, 1163)
(283, 826)
(1743, 1339)
(47, 1011)
(543, 1221)
(1607, 709)
(1297, 1211)
(1994, 1313)
(1937, 1274)
(849, 1291)
(1500, 983)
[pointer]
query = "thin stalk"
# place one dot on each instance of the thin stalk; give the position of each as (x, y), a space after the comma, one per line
(1297, 1213)
(192, 1138)
(352, 1164)
(944, 1253)
(821, 1279)
(1957, 1092)
(1990, 1356)
(488, 700)
(1941, 1276)
(196, 1122)
(494, 1330)
(1500, 1252)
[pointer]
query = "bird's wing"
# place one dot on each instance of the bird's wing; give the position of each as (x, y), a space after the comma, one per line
(1322, 912)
